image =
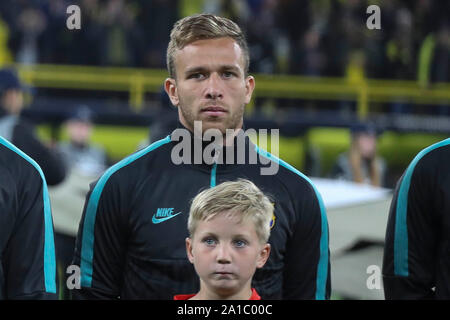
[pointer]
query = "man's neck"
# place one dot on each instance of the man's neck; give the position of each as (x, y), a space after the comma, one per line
(228, 137)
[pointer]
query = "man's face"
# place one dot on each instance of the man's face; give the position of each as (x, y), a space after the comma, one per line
(79, 131)
(367, 145)
(210, 84)
(12, 101)
(225, 254)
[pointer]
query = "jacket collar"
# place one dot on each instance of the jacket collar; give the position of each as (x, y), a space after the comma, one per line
(206, 153)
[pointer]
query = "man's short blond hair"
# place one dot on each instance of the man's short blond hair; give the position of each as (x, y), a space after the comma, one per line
(201, 27)
(241, 199)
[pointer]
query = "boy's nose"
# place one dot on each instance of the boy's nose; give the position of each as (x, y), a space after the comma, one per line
(223, 254)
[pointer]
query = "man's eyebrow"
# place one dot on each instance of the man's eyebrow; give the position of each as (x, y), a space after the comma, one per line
(195, 69)
(229, 67)
(203, 69)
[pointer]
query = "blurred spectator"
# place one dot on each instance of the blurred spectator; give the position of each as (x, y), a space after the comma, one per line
(258, 19)
(307, 57)
(361, 163)
(155, 18)
(288, 36)
(434, 61)
(57, 44)
(121, 37)
(21, 133)
(85, 163)
(79, 153)
(399, 49)
(5, 54)
(439, 64)
(31, 24)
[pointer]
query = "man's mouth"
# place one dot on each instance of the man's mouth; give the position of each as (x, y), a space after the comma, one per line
(214, 111)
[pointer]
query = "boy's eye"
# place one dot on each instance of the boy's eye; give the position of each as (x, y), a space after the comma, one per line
(240, 243)
(209, 241)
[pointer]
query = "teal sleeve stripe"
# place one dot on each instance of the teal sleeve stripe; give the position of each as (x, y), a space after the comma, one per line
(401, 267)
(87, 240)
(213, 175)
(49, 243)
(322, 267)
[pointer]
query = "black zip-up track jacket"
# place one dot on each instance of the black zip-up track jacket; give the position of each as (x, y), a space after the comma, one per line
(416, 261)
(131, 239)
(27, 248)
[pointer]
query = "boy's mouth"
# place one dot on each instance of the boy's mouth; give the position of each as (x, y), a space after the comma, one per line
(224, 274)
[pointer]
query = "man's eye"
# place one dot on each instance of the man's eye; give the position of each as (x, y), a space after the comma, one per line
(228, 74)
(196, 76)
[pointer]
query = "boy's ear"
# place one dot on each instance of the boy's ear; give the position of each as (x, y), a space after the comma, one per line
(263, 256)
(189, 249)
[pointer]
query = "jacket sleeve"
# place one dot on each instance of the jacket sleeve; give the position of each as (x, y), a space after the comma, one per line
(101, 242)
(409, 254)
(307, 265)
(29, 257)
(51, 163)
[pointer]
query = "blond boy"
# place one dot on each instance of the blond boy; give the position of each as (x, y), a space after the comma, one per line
(229, 226)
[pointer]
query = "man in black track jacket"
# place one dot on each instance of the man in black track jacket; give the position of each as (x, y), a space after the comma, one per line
(417, 252)
(27, 250)
(131, 237)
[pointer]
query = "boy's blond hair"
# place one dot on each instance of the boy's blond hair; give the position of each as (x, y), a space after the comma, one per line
(240, 199)
(202, 27)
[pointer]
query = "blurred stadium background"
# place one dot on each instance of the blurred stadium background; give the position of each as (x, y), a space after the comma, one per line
(319, 70)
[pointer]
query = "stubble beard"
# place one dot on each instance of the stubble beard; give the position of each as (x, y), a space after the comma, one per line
(234, 122)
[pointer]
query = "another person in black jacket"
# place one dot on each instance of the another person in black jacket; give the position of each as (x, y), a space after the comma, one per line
(27, 249)
(131, 239)
(21, 133)
(416, 263)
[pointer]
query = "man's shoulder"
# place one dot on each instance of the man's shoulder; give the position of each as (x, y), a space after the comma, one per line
(17, 163)
(435, 158)
(290, 176)
(138, 161)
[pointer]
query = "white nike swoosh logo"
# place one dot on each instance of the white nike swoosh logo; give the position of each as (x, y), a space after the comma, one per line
(159, 220)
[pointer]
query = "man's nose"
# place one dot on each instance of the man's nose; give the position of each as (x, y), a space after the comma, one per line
(223, 254)
(213, 89)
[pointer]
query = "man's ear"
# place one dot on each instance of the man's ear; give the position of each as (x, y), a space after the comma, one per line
(249, 87)
(170, 86)
(263, 256)
(189, 249)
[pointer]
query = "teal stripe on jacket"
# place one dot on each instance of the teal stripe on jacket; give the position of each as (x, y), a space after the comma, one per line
(87, 241)
(322, 267)
(401, 267)
(49, 243)
(213, 175)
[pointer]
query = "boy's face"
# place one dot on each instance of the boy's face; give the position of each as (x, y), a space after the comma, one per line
(225, 255)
